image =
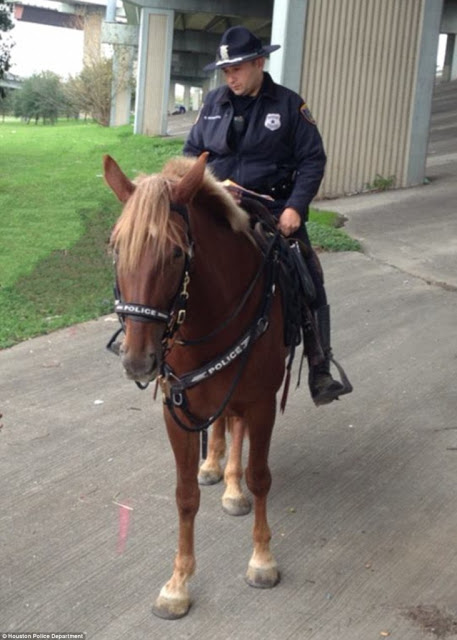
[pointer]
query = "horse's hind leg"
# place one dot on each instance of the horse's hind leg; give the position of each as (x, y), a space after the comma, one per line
(174, 601)
(262, 570)
(234, 502)
(211, 471)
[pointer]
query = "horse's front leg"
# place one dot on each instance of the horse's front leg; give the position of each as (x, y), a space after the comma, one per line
(211, 470)
(262, 570)
(174, 601)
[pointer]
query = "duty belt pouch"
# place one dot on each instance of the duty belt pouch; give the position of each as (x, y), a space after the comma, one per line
(303, 275)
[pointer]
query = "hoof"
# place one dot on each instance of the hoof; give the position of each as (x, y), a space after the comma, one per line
(236, 506)
(262, 578)
(170, 609)
(209, 477)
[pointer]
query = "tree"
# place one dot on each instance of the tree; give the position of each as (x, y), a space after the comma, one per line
(90, 91)
(6, 102)
(6, 24)
(41, 96)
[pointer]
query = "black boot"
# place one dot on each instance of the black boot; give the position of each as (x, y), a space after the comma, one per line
(324, 389)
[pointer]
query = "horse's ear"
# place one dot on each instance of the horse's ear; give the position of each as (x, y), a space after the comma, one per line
(186, 189)
(117, 180)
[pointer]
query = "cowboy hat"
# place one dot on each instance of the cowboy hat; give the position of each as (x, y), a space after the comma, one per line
(238, 45)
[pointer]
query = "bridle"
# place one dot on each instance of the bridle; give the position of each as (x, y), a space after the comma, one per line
(172, 318)
(174, 387)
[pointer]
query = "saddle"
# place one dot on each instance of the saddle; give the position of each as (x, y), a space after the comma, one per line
(294, 280)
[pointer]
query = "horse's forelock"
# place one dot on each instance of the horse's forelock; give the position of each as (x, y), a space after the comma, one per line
(146, 221)
(146, 215)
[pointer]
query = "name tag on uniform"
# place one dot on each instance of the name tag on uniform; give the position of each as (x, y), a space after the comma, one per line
(273, 121)
(212, 117)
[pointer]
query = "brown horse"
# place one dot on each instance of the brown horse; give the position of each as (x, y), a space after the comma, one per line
(201, 314)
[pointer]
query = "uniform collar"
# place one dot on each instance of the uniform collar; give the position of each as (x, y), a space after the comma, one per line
(268, 87)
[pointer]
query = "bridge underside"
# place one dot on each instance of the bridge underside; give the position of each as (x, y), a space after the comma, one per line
(49, 17)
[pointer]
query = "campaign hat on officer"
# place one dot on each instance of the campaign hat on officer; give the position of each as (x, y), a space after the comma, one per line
(238, 45)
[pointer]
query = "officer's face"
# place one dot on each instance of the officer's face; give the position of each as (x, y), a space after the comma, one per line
(245, 79)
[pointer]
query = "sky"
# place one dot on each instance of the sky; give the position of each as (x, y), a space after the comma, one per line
(45, 48)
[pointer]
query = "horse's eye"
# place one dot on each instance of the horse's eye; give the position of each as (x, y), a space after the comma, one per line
(177, 252)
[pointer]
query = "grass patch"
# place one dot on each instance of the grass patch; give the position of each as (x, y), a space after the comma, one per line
(67, 287)
(52, 176)
(325, 233)
(57, 214)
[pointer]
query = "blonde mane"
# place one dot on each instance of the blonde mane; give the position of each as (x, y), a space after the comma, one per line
(146, 218)
(213, 190)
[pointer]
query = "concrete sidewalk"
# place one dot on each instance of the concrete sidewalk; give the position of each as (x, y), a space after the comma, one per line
(363, 507)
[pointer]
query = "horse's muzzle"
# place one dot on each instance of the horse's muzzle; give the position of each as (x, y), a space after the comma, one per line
(141, 368)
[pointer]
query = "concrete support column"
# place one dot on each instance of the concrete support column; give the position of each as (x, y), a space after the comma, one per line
(172, 97)
(288, 30)
(215, 80)
(449, 26)
(421, 107)
(450, 59)
(93, 20)
(122, 85)
(155, 48)
(187, 101)
(123, 38)
(206, 87)
(453, 74)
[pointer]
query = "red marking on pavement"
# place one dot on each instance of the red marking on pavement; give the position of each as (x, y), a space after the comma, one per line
(124, 521)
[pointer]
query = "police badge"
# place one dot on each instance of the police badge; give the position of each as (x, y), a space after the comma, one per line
(224, 52)
(273, 121)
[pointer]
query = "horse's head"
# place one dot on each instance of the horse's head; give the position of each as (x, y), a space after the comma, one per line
(152, 252)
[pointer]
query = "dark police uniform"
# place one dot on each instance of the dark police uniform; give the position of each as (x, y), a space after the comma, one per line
(269, 143)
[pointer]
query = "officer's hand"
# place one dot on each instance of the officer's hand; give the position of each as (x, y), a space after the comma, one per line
(289, 221)
(235, 193)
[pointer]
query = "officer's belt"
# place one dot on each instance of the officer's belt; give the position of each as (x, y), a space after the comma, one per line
(280, 190)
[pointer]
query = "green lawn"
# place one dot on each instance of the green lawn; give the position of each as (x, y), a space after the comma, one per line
(56, 217)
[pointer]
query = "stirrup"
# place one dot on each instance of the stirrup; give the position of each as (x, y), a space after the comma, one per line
(339, 388)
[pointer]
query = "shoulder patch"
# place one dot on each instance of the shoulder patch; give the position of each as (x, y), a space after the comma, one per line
(306, 113)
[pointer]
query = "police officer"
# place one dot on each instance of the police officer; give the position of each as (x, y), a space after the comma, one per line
(262, 136)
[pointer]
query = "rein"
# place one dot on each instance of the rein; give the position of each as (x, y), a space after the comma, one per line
(174, 387)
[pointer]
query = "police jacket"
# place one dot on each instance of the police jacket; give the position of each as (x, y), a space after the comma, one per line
(281, 146)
